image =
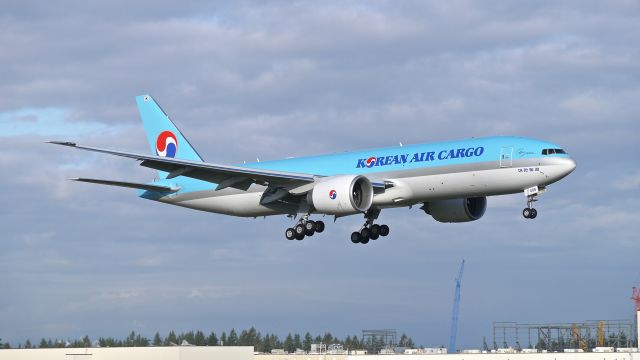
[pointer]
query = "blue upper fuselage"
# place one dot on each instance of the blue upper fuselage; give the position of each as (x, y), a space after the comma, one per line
(408, 157)
(397, 158)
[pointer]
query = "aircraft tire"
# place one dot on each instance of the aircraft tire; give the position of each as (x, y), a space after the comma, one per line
(384, 230)
(299, 229)
(299, 237)
(365, 234)
(526, 213)
(310, 225)
(533, 214)
(309, 232)
(319, 226)
(290, 234)
(355, 237)
(374, 231)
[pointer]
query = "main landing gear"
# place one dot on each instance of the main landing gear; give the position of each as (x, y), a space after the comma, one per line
(305, 227)
(369, 230)
(529, 212)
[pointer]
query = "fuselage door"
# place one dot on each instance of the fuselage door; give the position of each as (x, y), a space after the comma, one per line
(506, 156)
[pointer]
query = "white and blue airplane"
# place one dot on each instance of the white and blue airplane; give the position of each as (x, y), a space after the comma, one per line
(451, 180)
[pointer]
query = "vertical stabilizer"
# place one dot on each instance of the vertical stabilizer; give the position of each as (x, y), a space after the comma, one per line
(164, 137)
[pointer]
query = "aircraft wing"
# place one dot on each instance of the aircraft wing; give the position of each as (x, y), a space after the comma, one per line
(223, 175)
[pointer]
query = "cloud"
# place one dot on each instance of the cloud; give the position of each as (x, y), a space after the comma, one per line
(273, 79)
(628, 182)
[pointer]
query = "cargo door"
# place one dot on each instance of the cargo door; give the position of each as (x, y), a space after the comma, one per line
(506, 156)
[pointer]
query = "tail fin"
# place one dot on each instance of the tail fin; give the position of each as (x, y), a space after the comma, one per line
(164, 137)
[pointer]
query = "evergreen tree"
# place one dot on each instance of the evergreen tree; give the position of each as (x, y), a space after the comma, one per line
(327, 339)
(297, 342)
(43, 344)
(306, 344)
(27, 344)
(274, 342)
(356, 343)
(130, 340)
(249, 337)
(171, 339)
(288, 344)
(189, 337)
(223, 338)
(140, 341)
(199, 339)
(233, 338)
(212, 340)
(157, 340)
(347, 343)
(86, 342)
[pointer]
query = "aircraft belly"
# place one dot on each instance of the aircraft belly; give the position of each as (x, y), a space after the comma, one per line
(246, 204)
(418, 189)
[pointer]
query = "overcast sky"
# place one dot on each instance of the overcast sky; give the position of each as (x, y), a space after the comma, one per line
(274, 79)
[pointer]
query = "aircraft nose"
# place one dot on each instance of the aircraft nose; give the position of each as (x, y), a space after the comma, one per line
(570, 166)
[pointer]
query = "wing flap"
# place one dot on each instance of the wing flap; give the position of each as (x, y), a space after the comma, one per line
(132, 185)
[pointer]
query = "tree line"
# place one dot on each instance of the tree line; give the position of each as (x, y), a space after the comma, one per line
(251, 337)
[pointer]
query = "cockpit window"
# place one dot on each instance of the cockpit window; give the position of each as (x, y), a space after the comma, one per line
(553, 151)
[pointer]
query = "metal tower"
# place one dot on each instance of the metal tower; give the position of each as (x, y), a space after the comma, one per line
(454, 315)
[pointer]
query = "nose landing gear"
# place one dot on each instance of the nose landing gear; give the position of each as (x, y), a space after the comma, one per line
(531, 193)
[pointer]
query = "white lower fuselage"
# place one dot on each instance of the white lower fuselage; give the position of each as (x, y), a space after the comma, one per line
(408, 187)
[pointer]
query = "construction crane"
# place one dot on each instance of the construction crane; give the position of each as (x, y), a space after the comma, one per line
(636, 298)
(454, 315)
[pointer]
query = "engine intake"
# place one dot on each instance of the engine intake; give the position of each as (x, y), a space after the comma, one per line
(341, 195)
(456, 210)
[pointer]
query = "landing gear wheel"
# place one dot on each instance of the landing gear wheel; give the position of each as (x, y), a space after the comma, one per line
(533, 214)
(319, 226)
(374, 231)
(355, 237)
(300, 230)
(364, 233)
(290, 234)
(309, 232)
(384, 230)
(526, 213)
(299, 237)
(310, 225)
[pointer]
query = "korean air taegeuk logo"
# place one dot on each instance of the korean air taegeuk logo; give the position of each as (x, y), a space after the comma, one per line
(167, 144)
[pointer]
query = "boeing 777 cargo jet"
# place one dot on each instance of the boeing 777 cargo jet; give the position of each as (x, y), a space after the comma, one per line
(451, 180)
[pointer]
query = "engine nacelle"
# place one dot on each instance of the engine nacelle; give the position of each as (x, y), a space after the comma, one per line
(341, 195)
(456, 210)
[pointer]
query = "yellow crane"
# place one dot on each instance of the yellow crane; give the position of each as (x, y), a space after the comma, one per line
(601, 333)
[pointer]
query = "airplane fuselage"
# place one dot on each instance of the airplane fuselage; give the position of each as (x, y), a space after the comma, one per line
(412, 174)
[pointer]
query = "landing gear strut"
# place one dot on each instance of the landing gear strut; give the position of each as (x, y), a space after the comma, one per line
(305, 227)
(529, 212)
(369, 230)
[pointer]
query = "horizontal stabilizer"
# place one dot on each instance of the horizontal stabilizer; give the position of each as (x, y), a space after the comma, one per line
(132, 185)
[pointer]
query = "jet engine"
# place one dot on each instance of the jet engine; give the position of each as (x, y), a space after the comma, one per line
(341, 195)
(456, 210)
